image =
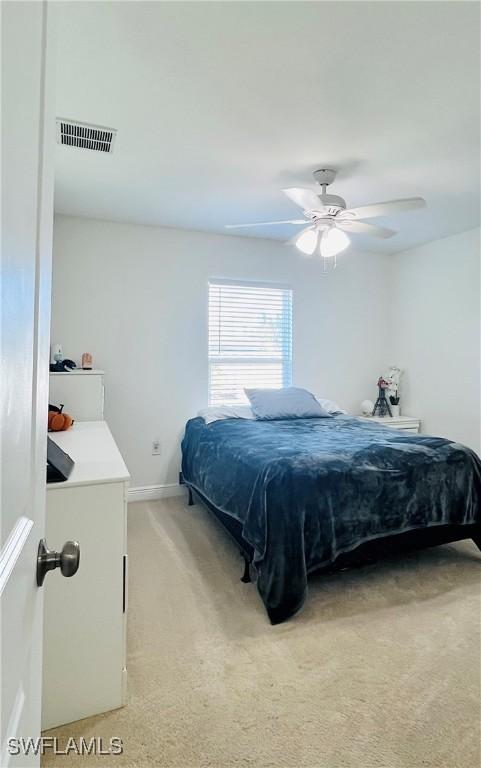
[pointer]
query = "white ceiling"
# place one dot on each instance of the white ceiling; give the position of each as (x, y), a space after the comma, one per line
(220, 105)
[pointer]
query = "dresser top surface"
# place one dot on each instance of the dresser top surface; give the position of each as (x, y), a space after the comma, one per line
(78, 372)
(97, 459)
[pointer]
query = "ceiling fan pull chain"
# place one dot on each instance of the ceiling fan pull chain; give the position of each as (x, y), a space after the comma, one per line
(329, 264)
(329, 219)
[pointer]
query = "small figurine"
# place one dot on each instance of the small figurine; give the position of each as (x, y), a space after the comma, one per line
(87, 361)
(382, 405)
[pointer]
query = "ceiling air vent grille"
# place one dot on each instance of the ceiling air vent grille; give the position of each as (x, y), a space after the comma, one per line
(95, 137)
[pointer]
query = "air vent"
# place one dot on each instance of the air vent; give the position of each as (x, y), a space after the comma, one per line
(98, 138)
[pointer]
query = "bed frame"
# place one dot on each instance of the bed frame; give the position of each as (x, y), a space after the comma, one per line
(230, 525)
(366, 553)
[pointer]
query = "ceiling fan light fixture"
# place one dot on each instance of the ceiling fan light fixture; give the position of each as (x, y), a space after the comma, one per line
(327, 219)
(333, 242)
(307, 241)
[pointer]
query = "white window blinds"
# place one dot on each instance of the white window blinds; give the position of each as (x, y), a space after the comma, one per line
(250, 339)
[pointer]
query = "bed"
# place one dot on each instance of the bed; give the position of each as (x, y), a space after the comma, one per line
(300, 495)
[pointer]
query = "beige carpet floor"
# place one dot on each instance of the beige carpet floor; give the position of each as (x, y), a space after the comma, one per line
(381, 668)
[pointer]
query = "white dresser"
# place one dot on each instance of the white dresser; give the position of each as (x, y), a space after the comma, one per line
(409, 424)
(82, 393)
(84, 655)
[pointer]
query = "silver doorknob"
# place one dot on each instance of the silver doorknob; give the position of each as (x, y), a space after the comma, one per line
(67, 560)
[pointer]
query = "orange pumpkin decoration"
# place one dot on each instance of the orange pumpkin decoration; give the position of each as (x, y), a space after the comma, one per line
(59, 421)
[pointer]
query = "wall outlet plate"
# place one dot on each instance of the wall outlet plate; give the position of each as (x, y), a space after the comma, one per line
(155, 447)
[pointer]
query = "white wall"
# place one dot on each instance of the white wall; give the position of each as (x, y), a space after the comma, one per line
(435, 316)
(136, 297)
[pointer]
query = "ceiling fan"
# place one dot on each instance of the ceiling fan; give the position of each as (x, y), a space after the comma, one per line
(329, 220)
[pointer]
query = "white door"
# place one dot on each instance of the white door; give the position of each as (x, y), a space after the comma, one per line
(28, 123)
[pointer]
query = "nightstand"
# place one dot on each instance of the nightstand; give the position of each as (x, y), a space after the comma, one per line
(409, 424)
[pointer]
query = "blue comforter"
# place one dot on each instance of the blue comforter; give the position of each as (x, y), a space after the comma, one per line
(306, 490)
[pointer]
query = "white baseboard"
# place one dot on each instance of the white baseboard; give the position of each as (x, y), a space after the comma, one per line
(153, 492)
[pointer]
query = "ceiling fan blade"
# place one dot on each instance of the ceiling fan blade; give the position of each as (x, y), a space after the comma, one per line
(383, 209)
(296, 237)
(305, 198)
(360, 227)
(265, 223)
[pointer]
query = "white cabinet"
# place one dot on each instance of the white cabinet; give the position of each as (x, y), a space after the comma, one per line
(82, 392)
(408, 424)
(84, 670)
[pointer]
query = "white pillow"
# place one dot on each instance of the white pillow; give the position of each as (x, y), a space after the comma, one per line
(218, 412)
(330, 405)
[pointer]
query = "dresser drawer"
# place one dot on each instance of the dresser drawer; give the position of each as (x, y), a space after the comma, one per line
(408, 424)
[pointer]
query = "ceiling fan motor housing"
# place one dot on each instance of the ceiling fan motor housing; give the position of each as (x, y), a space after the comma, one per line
(329, 205)
(333, 203)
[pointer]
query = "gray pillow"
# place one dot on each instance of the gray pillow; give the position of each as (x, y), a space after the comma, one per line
(288, 403)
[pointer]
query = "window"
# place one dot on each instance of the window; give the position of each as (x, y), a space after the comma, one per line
(250, 339)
